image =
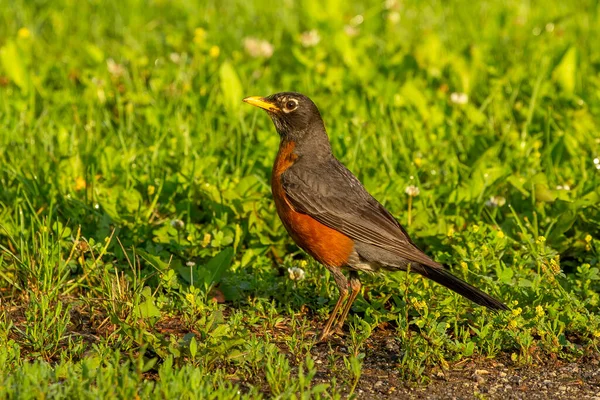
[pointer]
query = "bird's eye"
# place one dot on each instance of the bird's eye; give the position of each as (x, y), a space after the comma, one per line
(291, 105)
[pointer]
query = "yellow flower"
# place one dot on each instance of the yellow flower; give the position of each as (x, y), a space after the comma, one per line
(539, 311)
(214, 51)
(418, 161)
(484, 250)
(450, 231)
(303, 263)
(541, 239)
(206, 240)
(464, 264)
(199, 36)
(554, 266)
(588, 238)
(23, 33)
(517, 311)
(597, 334)
(190, 298)
(512, 324)
(151, 190)
(500, 235)
(80, 183)
(475, 228)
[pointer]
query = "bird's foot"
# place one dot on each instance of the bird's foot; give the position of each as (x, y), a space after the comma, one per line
(327, 334)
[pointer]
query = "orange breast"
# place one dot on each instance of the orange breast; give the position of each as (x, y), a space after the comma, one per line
(326, 245)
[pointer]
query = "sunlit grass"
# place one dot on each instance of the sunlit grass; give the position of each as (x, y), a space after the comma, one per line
(140, 251)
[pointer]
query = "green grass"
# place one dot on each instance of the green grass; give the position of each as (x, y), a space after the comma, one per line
(134, 190)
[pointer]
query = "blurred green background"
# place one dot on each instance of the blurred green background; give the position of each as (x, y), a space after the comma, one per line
(134, 186)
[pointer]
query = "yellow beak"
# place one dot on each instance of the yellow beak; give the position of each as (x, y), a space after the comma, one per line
(261, 102)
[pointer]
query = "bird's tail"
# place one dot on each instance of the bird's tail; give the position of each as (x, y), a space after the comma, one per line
(445, 278)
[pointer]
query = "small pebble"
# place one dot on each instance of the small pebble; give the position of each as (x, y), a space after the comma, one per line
(516, 380)
(562, 388)
(378, 384)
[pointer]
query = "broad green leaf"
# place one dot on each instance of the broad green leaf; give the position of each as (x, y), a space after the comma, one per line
(147, 308)
(14, 65)
(193, 347)
(565, 73)
(231, 88)
(152, 259)
(212, 272)
(95, 53)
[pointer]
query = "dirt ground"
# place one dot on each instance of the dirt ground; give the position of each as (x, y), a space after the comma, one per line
(500, 378)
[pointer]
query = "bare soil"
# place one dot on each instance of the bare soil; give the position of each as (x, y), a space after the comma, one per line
(499, 378)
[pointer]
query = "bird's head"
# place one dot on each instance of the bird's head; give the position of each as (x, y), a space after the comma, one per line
(295, 116)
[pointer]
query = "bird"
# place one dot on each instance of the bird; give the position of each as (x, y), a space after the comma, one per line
(330, 215)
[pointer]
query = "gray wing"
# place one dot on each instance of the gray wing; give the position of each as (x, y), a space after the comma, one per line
(332, 195)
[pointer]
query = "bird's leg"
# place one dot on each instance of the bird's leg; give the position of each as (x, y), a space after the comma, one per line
(342, 284)
(355, 285)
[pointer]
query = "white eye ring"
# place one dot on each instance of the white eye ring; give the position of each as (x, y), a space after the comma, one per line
(290, 105)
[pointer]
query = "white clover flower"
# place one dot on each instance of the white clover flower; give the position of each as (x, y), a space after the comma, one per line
(175, 58)
(412, 191)
(496, 201)
(563, 187)
(296, 274)
(190, 264)
(357, 20)
(597, 162)
(177, 224)
(459, 98)
(114, 68)
(258, 48)
(389, 4)
(394, 17)
(351, 30)
(310, 38)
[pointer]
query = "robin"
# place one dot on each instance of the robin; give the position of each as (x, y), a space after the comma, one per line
(329, 213)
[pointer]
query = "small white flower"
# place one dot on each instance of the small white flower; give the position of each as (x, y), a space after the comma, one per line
(357, 20)
(459, 98)
(563, 187)
(115, 69)
(177, 224)
(394, 17)
(175, 57)
(597, 162)
(310, 38)
(296, 274)
(496, 201)
(258, 48)
(412, 191)
(351, 30)
(190, 264)
(389, 4)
